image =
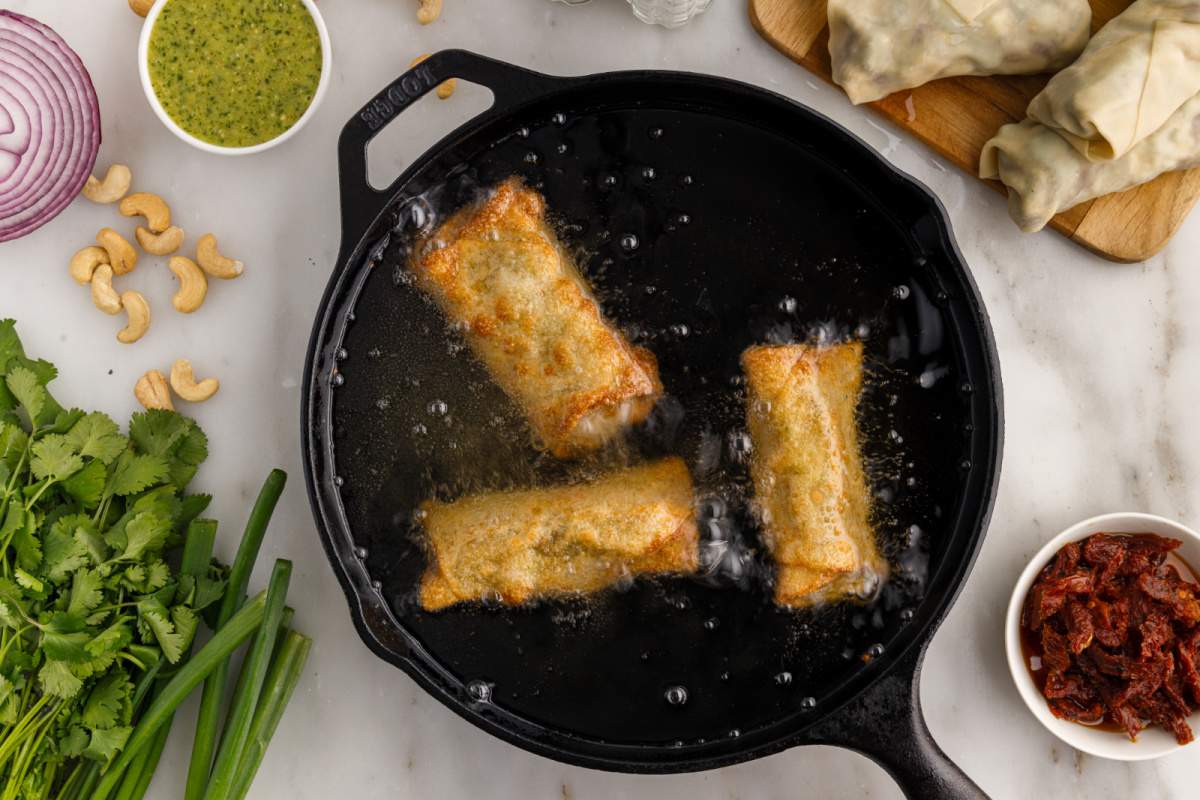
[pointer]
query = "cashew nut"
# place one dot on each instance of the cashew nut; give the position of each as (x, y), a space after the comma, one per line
(112, 188)
(152, 392)
(160, 244)
(84, 263)
(445, 88)
(139, 317)
(193, 286)
(429, 11)
(121, 254)
(150, 206)
(212, 262)
(141, 7)
(185, 385)
(104, 296)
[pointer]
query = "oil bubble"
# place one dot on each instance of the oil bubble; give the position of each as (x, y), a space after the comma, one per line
(783, 678)
(419, 429)
(339, 481)
(685, 180)
(532, 157)
(901, 292)
(342, 354)
(676, 695)
(734, 733)
(629, 242)
(338, 379)
(656, 133)
(649, 173)
(438, 408)
(808, 704)
(562, 148)
(711, 624)
(559, 118)
(788, 305)
(480, 691)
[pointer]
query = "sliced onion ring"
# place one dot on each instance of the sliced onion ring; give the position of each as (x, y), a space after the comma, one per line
(49, 125)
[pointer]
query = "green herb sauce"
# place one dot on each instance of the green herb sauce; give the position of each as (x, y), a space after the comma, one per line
(235, 73)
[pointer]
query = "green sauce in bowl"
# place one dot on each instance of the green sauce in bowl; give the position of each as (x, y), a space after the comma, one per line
(234, 73)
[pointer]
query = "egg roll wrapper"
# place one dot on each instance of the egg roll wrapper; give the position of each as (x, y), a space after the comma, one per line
(807, 471)
(564, 540)
(878, 47)
(1135, 73)
(1046, 175)
(499, 272)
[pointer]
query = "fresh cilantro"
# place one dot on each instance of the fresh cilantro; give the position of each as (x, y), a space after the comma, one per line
(90, 604)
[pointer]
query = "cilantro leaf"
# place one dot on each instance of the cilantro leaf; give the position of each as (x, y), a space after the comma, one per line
(73, 743)
(156, 432)
(87, 485)
(62, 551)
(27, 581)
(66, 646)
(57, 680)
(157, 575)
(186, 622)
(86, 592)
(27, 390)
(136, 473)
(29, 549)
(106, 700)
(154, 617)
(105, 744)
(97, 436)
(54, 458)
(147, 532)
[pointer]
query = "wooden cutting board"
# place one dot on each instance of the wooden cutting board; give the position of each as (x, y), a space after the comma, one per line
(956, 116)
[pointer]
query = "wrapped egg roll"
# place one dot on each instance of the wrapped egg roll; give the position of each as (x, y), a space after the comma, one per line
(1135, 73)
(808, 478)
(1046, 175)
(498, 271)
(520, 545)
(878, 47)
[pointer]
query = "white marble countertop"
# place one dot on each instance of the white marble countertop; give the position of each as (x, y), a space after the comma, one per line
(1101, 370)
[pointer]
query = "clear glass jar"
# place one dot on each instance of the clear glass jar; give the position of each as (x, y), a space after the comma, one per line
(668, 13)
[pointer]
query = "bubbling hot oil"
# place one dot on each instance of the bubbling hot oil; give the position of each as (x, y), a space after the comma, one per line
(450, 432)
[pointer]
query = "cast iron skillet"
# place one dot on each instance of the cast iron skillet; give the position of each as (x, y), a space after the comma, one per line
(709, 215)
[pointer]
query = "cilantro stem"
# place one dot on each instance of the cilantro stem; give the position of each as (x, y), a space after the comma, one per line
(241, 711)
(239, 628)
(204, 744)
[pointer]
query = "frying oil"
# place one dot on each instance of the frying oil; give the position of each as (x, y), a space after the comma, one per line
(694, 265)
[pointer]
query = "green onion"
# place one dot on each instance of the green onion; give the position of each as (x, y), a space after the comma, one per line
(286, 669)
(239, 628)
(235, 592)
(241, 712)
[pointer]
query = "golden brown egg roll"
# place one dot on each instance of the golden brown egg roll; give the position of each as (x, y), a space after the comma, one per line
(807, 471)
(519, 545)
(498, 270)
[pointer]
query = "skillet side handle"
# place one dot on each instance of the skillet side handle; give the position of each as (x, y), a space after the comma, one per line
(886, 725)
(510, 86)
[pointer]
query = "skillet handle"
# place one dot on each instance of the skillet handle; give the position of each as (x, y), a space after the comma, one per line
(886, 725)
(510, 86)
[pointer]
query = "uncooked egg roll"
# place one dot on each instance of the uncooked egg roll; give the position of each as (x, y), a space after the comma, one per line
(807, 471)
(498, 271)
(519, 545)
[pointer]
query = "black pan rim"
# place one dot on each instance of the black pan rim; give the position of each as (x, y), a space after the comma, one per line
(553, 744)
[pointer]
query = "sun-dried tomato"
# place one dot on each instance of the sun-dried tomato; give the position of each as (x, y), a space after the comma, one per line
(1115, 621)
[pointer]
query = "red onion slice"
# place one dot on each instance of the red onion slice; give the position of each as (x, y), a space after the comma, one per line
(49, 125)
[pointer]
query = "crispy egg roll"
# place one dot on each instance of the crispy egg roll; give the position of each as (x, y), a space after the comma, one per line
(807, 471)
(498, 271)
(521, 545)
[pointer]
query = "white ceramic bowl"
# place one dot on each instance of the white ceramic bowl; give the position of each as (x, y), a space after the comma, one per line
(148, 87)
(1152, 742)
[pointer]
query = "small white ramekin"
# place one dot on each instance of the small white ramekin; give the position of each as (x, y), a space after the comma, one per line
(148, 87)
(1152, 742)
